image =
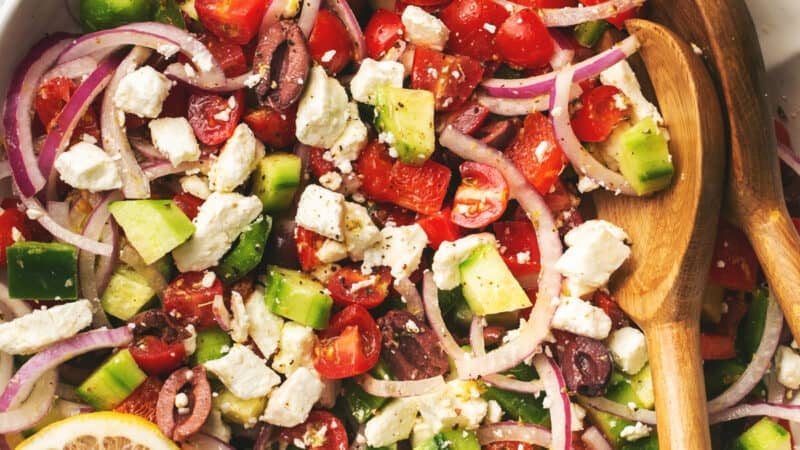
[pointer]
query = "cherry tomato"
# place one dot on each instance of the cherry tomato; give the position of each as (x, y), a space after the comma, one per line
(473, 24)
(451, 78)
(335, 434)
(734, 264)
(523, 41)
(482, 196)
(51, 98)
(714, 346)
(307, 244)
(419, 188)
(176, 103)
(12, 219)
(142, 401)
(329, 43)
(156, 357)
(383, 30)
(349, 286)
(213, 118)
(439, 228)
(508, 445)
(230, 57)
(468, 119)
(374, 164)
(189, 302)
(535, 151)
(187, 203)
(274, 128)
(235, 21)
(618, 20)
(349, 346)
(518, 246)
(318, 164)
(599, 114)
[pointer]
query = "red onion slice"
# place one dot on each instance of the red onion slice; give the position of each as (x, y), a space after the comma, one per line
(115, 141)
(221, 314)
(595, 440)
(646, 416)
(20, 384)
(59, 211)
(778, 411)
(146, 148)
(520, 106)
(515, 432)
(77, 68)
(567, 17)
(17, 114)
(408, 291)
(543, 84)
(394, 388)
(560, 408)
(583, 162)
(33, 409)
(342, 9)
(430, 298)
(177, 71)
(755, 371)
(93, 229)
(159, 169)
(58, 139)
(107, 264)
(36, 211)
(308, 15)
(564, 51)
(272, 15)
(534, 331)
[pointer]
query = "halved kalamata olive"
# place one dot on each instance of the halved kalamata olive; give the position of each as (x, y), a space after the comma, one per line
(155, 322)
(186, 420)
(283, 61)
(585, 363)
(499, 134)
(410, 347)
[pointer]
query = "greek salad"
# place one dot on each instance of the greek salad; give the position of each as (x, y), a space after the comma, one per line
(331, 225)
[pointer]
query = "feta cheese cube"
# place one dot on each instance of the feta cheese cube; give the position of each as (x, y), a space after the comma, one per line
(219, 221)
(581, 318)
(629, 349)
(296, 348)
(456, 404)
(266, 329)
(392, 423)
(349, 144)
(87, 166)
(331, 251)
(238, 158)
(321, 211)
(494, 412)
(359, 230)
(635, 432)
(195, 185)
(290, 404)
(322, 111)
(446, 260)
(174, 138)
(621, 76)
(142, 92)
(32, 332)
(399, 248)
(243, 373)
(787, 367)
(373, 74)
(596, 249)
(423, 28)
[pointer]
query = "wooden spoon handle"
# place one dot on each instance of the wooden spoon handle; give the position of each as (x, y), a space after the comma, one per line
(674, 349)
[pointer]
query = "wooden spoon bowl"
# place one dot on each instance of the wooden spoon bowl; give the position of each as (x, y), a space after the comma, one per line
(672, 234)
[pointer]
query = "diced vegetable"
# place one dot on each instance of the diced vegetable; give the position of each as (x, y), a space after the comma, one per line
(275, 181)
(112, 382)
(644, 158)
(101, 14)
(405, 120)
(294, 295)
(488, 285)
(153, 227)
(764, 435)
(42, 271)
(211, 344)
(127, 293)
(247, 252)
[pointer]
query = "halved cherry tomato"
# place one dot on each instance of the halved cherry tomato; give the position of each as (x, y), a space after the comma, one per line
(618, 20)
(419, 188)
(12, 219)
(329, 43)
(229, 56)
(383, 30)
(177, 102)
(187, 203)
(373, 164)
(51, 99)
(274, 128)
(157, 357)
(317, 163)
(307, 243)
(473, 24)
(714, 346)
(212, 117)
(468, 119)
(349, 286)
(142, 401)
(599, 113)
(189, 302)
(439, 228)
(606, 302)
(535, 151)
(319, 424)
(734, 264)
(451, 78)
(518, 246)
(349, 346)
(482, 196)
(234, 21)
(523, 41)
(508, 445)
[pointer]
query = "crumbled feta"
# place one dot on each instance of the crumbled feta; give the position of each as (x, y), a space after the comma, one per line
(450, 255)
(399, 248)
(450, 406)
(578, 414)
(322, 112)
(331, 251)
(195, 185)
(328, 56)
(266, 329)
(787, 367)
(621, 76)
(331, 181)
(372, 74)
(350, 142)
(359, 231)
(142, 92)
(243, 373)
(392, 423)
(494, 412)
(32, 332)
(423, 28)
(240, 322)
(629, 349)
(290, 404)
(635, 432)
(296, 348)
(321, 211)
(581, 318)
(174, 138)
(87, 166)
(596, 249)
(238, 158)
(219, 221)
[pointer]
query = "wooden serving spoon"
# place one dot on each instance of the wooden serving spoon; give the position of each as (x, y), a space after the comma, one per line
(672, 234)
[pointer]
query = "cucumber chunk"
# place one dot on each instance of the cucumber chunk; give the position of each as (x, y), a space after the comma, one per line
(451, 440)
(764, 435)
(275, 181)
(237, 410)
(42, 271)
(128, 292)
(296, 296)
(404, 117)
(153, 227)
(488, 285)
(644, 159)
(112, 382)
(210, 345)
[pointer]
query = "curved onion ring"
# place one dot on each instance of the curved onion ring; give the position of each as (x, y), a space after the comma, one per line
(520, 106)
(409, 293)
(569, 16)
(177, 71)
(561, 408)
(93, 228)
(308, 15)
(595, 440)
(77, 68)
(646, 416)
(158, 169)
(515, 432)
(30, 411)
(342, 9)
(394, 388)
(271, 16)
(778, 411)
(35, 210)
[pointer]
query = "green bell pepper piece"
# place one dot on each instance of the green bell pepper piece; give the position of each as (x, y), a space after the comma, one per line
(247, 252)
(42, 271)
